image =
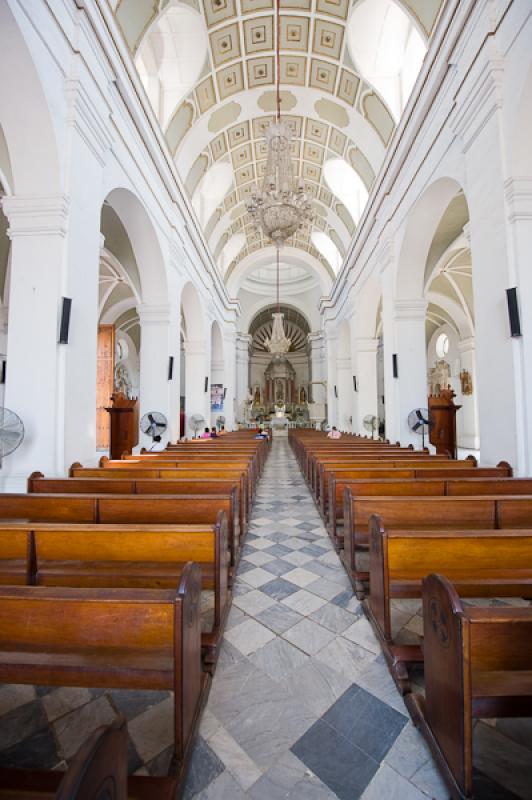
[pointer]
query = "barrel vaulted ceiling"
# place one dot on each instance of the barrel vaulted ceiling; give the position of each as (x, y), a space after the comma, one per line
(208, 67)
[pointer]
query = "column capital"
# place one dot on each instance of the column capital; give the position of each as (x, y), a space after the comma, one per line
(84, 116)
(366, 345)
(385, 254)
(410, 309)
(518, 192)
(479, 98)
(36, 215)
(467, 345)
(154, 315)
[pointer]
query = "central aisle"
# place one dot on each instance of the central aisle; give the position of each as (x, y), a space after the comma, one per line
(302, 705)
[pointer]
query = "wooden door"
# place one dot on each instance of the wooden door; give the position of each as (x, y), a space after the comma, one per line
(104, 383)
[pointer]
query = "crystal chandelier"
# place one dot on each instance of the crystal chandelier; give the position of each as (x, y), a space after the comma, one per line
(280, 206)
(278, 343)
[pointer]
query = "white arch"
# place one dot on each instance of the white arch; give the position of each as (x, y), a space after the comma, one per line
(145, 243)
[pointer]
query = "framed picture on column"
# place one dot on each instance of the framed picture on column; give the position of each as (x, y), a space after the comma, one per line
(217, 397)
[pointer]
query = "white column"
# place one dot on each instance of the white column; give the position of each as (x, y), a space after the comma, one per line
(197, 400)
(410, 338)
(467, 419)
(242, 344)
(519, 206)
(366, 374)
(229, 379)
(332, 379)
(391, 384)
(477, 121)
(37, 229)
(344, 384)
(155, 339)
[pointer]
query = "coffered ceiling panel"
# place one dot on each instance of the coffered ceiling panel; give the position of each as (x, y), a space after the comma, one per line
(332, 110)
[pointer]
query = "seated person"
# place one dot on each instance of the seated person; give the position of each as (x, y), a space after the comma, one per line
(334, 433)
(214, 435)
(206, 434)
(222, 431)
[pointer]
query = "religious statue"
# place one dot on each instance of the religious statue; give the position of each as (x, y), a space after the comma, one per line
(439, 376)
(466, 382)
(122, 381)
(256, 398)
(302, 395)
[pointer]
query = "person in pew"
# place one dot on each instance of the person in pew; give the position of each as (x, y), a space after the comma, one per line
(206, 434)
(334, 433)
(214, 435)
(222, 431)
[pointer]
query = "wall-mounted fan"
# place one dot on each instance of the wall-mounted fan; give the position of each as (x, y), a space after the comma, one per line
(154, 424)
(196, 422)
(420, 422)
(11, 432)
(371, 424)
(220, 421)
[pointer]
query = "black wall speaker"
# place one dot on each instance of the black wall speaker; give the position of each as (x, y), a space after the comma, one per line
(207, 384)
(513, 312)
(394, 365)
(170, 368)
(335, 391)
(3, 371)
(355, 384)
(65, 320)
(225, 391)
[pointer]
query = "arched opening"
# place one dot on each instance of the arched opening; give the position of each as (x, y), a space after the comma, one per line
(280, 384)
(450, 321)
(195, 362)
(131, 274)
(217, 377)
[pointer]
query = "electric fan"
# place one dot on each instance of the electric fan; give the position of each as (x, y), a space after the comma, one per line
(371, 424)
(11, 432)
(220, 421)
(154, 424)
(195, 423)
(420, 422)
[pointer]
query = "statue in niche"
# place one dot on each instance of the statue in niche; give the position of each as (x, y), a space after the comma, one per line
(439, 377)
(302, 395)
(122, 380)
(466, 382)
(256, 398)
(279, 395)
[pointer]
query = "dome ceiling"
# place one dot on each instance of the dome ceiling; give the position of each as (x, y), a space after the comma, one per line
(335, 112)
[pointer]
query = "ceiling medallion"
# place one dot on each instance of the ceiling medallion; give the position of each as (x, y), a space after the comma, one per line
(280, 206)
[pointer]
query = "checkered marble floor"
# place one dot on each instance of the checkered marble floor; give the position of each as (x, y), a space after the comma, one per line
(302, 706)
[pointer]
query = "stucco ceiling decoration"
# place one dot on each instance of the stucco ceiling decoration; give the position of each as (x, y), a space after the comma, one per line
(334, 109)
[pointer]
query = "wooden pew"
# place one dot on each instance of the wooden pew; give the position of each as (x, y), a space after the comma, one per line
(38, 484)
(130, 556)
(110, 638)
(165, 473)
(100, 761)
(481, 563)
(478, 664)
(409, 513)
(145, 509)
(412, 462)
(413, 486)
